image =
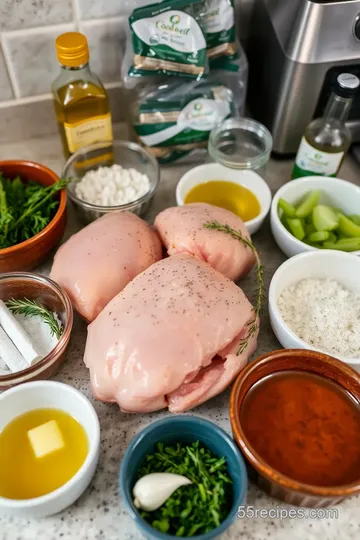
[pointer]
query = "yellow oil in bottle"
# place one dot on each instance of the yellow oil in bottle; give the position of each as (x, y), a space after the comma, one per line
(238, 199)
(81, 102)
(25, 476)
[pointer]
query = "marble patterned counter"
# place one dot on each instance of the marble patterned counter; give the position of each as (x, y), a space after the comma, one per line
(99, 513)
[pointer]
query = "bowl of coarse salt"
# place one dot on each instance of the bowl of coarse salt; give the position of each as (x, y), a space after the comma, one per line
(314, 303)
(36, 318)
(109, 177)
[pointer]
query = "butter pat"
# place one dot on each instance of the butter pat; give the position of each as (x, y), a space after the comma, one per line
(46, 438)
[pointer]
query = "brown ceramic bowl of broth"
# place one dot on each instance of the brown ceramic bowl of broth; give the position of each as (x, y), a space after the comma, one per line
(46, 292)
(295, 415)
(30, 253)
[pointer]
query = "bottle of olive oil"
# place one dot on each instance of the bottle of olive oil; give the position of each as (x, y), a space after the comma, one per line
(327, 139)
(81, 102)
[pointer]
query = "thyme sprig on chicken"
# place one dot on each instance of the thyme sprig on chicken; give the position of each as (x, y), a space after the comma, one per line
(253, 324)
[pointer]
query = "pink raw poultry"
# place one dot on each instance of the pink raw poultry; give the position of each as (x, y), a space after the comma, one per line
(181, 230)
(170, 338)
(95, 264)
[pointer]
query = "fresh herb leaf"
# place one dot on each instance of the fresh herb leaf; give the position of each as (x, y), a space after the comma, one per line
(26, 208)
(253, 325)
(192, 509)
(30, 308)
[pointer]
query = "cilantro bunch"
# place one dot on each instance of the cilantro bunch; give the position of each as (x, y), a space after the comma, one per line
(25, 209)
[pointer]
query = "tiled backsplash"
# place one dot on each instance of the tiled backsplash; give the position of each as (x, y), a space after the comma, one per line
(28, 29)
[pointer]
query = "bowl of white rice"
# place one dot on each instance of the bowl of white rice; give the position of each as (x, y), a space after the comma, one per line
(314, 303)
(109, 177)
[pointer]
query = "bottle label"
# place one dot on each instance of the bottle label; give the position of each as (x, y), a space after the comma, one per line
(88, 132)
(310, 159)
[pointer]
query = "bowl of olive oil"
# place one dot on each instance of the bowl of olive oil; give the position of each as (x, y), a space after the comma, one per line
(49, 448)
(242, 192)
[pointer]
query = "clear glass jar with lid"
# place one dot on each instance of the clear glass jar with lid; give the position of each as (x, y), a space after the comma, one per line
(242, 144)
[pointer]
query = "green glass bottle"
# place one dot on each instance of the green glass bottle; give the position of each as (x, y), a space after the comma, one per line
(326, 140)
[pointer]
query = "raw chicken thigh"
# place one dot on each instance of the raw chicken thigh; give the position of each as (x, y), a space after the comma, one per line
(170, 338)
(95, 264)
(181, 230)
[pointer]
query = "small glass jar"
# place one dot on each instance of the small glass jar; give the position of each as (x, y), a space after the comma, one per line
(241, 143)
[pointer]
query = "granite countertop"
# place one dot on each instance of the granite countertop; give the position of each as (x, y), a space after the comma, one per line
(99, 513)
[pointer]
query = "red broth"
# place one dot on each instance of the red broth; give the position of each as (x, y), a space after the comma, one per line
(304, 426)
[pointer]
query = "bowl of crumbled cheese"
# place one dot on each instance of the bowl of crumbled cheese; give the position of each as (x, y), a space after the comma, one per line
(109, 177)
(314, 303)
(36, 318)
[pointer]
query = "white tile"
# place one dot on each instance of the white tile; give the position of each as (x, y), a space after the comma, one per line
(5, 86)
(107, 45)
(32, 59)
(97, 9)
(16, 14)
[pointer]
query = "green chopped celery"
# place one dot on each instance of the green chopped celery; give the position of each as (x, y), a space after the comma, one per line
(349, 244)
(296, 228)
(316, 245)
(348, 227)
(319, 236)
(336, 210)
(308, 204)
(287, 208)
(345, 241)
(309, 228)
(283, 220)
(332, 237)
(355, 218)
(324, 218)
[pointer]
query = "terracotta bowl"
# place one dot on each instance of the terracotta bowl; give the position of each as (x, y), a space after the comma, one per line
(267, 478)
(47, 292)
(29, 254)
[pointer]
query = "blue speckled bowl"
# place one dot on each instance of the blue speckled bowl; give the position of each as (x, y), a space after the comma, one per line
(182, 428)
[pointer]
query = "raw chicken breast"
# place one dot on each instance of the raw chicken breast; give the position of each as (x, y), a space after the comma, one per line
(170, 338)
(181, 230)
(95, 264)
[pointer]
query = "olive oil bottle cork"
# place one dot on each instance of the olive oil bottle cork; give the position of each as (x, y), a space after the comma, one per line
(81, 102)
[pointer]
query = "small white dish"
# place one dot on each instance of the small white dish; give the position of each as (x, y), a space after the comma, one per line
(52, 395)
(320, 264)
(335, 192)
(214, 171)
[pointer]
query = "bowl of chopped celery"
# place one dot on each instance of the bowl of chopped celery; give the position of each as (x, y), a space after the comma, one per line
(314, 213)
(32, 214)
(183, 477)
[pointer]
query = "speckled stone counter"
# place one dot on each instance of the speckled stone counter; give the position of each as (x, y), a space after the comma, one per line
(99, 513)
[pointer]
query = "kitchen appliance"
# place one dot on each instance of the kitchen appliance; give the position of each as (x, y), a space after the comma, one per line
(296, 50)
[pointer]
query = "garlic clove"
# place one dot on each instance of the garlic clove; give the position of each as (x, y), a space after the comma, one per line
(152, 490)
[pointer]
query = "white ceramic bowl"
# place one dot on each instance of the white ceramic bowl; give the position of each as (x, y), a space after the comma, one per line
(320, 264)
(214, 171)
(50, 394)
(335, 192)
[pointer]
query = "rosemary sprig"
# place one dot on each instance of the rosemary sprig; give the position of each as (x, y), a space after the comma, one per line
(29, 308)
(253, 325)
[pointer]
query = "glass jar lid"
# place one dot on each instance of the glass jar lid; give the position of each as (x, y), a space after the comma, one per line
(240, 143)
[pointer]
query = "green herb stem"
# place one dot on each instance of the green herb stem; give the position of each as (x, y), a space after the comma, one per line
(253, 324)
(30, 308)
(61, 184)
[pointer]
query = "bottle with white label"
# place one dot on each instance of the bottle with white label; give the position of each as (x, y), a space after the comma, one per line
(81, 102)
(327, 139)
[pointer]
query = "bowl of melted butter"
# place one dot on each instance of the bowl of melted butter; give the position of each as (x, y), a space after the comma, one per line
(49, 448)
(242, 192)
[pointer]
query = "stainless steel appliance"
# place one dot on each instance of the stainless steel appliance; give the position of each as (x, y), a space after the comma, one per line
(296, 50)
